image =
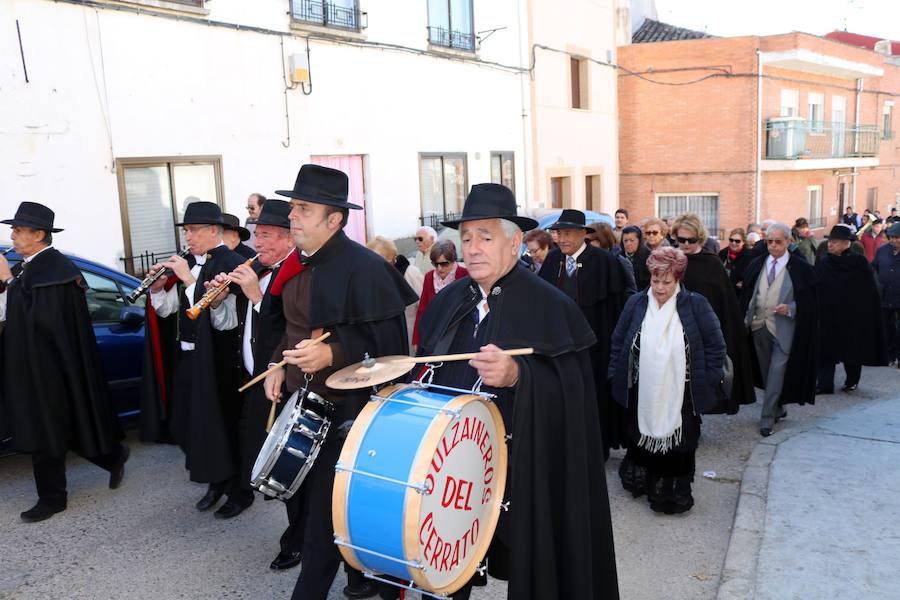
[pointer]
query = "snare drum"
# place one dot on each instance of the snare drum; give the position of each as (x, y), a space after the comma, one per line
(419, 484)
(292, 445)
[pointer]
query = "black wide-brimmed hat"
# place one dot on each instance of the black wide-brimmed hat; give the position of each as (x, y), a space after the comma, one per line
(234, 224)
(320, 185)
(275, 212)
(491, 201)
(572, 219)
(841, 232)
(202, 213)
(34, 215)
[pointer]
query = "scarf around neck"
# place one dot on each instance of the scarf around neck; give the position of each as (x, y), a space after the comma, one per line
(440, 284)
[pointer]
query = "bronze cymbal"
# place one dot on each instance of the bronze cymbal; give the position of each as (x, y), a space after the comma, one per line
(372, 371)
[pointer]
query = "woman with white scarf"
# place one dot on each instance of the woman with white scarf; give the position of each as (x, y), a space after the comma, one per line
(666, 364)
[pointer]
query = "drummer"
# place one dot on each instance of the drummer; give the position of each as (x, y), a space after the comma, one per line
(333, 284)
(556, 539)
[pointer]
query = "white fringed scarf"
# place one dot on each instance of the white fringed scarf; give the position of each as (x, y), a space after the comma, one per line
(662, 375)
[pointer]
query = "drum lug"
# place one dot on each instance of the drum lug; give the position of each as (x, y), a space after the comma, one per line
(298, 453)
(504, 506)
(507, 437)
(275, 486)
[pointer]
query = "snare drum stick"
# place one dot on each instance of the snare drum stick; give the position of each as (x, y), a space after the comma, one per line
(274, 368)
(465, 356)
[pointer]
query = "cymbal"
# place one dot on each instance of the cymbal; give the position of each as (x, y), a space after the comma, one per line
(369, 372)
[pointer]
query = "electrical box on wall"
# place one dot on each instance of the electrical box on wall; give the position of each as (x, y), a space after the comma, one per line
(299, 64)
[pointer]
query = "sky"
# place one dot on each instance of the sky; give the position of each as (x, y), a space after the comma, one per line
(727, 18)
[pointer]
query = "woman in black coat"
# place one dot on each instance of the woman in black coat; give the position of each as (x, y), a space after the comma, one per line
(632, 247)
(735, 258)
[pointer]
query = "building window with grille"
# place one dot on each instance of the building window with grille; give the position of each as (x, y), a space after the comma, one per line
(814, 205)
(705, 205)
(343, 14)
(153, 193)
(503, 169)
(443, 184)
(450, 24)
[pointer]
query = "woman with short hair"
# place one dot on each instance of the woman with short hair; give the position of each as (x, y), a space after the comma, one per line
(735, 257)
(655, 232)
(446, 271)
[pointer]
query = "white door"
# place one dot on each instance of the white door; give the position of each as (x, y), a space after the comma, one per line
(838, 120)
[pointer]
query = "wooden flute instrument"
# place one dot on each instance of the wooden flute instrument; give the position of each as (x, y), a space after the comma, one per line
(211, 294)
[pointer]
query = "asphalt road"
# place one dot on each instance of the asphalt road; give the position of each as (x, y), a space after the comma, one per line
(146, 540)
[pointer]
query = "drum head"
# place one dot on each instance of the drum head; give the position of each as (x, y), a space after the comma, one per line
(281, 429)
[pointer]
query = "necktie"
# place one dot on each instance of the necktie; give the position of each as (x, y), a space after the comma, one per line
(570, 265)
(772, 273)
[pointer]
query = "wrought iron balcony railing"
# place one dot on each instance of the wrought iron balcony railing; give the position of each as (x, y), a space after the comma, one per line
(344, 15)
(440, 36)
(793, 138)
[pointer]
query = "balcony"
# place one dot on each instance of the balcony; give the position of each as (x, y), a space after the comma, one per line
(343, 14)
(795, 144)
(460, 40)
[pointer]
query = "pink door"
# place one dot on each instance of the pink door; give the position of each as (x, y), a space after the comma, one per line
(352, 165)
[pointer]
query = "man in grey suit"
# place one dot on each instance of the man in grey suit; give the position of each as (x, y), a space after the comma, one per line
(779, 306)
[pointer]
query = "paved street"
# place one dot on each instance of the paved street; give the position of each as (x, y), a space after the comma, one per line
(146, 539)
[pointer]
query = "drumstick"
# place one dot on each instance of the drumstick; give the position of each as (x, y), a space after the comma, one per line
(274, 368)
(465, 356)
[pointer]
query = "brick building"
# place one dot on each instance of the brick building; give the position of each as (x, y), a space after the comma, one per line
(748, 128)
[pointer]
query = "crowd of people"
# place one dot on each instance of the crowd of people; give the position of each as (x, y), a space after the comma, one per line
(639, 328)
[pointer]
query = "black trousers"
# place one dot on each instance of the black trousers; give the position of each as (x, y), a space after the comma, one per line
(892, 332)
(825, 376)
(50, 474)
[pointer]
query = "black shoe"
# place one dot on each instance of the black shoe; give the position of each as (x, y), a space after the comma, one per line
(820, 391)
(118, 471)
(209, 499)
(285, 560)
(230, 509)
(782, 417)
(41, 512)
(849, 388)
(765, 431)
(364, 589)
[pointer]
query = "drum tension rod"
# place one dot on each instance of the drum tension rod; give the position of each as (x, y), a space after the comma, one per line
(422, 488)
(409, 563)
(411, 587)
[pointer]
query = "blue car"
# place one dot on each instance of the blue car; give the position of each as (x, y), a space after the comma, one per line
(118, 327)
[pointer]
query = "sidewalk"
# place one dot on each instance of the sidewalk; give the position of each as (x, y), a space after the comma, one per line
(819, 511)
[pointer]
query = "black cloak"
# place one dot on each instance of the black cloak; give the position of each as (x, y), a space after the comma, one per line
(800, 375)
(55, 395)
(556, 540)
(706, 276)
(601, 295)
(735, 269)
(638, 260)
(851, 323)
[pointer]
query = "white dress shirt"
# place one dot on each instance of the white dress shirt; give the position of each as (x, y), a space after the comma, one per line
(247, 350)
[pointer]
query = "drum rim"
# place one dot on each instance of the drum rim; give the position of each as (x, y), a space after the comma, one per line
(266, 469)
(413, 502)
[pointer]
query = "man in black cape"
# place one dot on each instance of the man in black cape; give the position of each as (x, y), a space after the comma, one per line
(596, 281)
(54, 396)
(847, 288)
(556, 540)
(780, 304)
(204, 402)
(331, 284)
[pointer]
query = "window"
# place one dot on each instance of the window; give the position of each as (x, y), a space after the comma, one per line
(153, 193)
(503, 169)
(579, 81)
(816, 105)
(560, 191)
(872, 199)
(104, 298)
(838, 126)
(790, 103)
(327, 13)
(592, 192)
(450, 24)
(814, 205)
(706, 205)
(886, 132)
(443, 184)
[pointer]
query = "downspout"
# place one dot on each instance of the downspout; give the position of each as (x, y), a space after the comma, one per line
(524, 79)
(859, 88)
(759, 134)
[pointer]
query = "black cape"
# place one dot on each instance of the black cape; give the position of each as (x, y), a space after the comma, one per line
(601, 296)
(736, 268)
(706, 276)
(800, 374)
(54, 394)
(557, 534)
(851, 324)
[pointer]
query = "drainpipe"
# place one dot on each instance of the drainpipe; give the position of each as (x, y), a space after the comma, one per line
(524, 82)
(759, 135)
(859, 88)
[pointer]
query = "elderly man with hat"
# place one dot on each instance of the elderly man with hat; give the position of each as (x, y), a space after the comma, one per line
(204, 404)
(235, 236)
(54, 396)
(556, 540)
(595, 279)
(330, 284)
(851, 326)
(887, 268)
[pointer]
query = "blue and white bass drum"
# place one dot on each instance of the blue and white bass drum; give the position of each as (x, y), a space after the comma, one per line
(419, 485)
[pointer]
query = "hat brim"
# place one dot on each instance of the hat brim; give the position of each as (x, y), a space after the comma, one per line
(852, 238)
(32, 224)
(569, 225)
(273, 224)
(523, 223)
(243, 232)
(203, 222)
(318, 199)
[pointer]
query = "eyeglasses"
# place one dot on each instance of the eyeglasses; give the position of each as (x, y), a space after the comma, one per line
(653, 233)
(692, 240)
(441, 263)
(420, 239)
(735, 240)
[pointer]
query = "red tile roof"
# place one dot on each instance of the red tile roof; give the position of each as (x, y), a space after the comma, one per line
(863, 41)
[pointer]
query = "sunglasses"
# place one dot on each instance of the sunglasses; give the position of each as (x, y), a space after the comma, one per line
(653, 233)
(420, 239)
(735, 240)
(692, 240)
(441, 263)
